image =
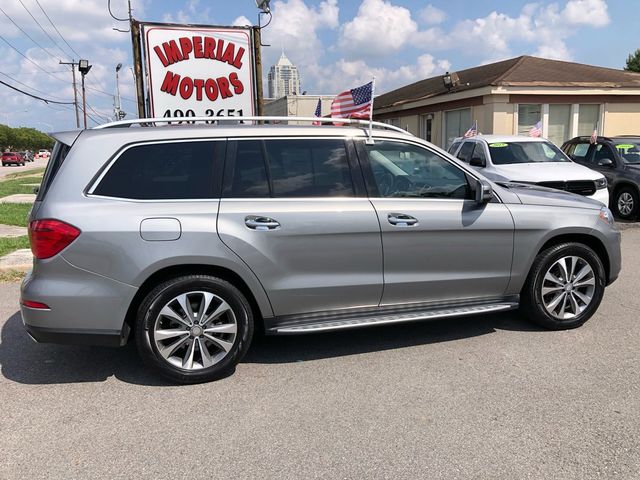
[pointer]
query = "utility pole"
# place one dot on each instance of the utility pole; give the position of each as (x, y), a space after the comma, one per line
(134, 26)
(73, 64)
(257, 42)
(84, 67)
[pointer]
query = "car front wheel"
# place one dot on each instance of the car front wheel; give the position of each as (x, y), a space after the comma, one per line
(194, 328)
(564, 287)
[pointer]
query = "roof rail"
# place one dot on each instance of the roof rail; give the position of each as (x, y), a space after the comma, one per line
(217, 120)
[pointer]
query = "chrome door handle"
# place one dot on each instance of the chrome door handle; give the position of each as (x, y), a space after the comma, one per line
(402, 220)
(255, 222)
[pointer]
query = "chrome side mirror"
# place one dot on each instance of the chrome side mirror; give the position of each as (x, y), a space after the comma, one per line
(484, 192)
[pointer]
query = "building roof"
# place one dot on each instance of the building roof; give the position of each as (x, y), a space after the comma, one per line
(284, 61)
(523, 71)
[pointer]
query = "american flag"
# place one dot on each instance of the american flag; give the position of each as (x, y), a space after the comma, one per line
(473, 131)
(594, 136)
(318, 111)
(354, 103)
(536, 130)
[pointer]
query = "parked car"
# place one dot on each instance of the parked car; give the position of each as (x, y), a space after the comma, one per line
(12, 158)
(206, 233)
(618, 159)
(43, 154)
(529, 160)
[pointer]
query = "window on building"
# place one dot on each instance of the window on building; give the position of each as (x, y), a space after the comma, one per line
(559, 130)
(426, 127)
(457, 122)
(394, 121)
(528, 116)
(180, 170)
(588, 116)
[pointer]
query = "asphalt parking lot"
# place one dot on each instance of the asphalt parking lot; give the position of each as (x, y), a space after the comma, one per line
(482, 397)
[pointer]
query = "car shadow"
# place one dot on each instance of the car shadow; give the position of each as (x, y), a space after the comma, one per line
(24, 361)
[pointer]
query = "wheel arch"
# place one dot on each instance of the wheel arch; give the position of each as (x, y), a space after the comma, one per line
(590, 241)
(174, 271)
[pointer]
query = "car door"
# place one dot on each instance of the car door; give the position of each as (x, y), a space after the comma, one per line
(295, 211)
(439, 245)
(599, 154)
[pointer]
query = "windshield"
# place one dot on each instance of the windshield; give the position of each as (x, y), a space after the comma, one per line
(503, 153)
(629, 151)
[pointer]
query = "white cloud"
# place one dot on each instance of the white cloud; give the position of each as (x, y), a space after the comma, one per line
(241, 21)
(378, 29)
(432, 15)
(193, 12)
(547, 26)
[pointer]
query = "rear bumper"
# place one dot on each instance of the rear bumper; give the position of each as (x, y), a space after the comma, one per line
(84, 308)
(78, 337)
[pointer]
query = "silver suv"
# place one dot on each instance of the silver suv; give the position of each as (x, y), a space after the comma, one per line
(189, 237)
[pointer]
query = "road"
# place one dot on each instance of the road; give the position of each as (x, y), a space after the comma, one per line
(4, 171)
(474, 398)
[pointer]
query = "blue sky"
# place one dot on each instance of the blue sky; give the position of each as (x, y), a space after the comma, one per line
(337, 44)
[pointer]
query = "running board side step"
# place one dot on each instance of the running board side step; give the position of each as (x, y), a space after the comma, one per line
(324, 325)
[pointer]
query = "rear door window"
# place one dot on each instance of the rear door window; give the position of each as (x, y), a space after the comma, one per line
(283, 168)
(163, 171)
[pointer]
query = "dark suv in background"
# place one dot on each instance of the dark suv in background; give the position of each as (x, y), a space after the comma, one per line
(618, 159)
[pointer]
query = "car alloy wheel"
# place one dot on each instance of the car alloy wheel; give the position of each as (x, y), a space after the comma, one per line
(625, 203)
(568, 287)
(195, 330)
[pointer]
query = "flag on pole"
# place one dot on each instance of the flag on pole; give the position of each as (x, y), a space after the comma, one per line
(354, 103)
(318, 111)
(473, 131)
(536, 130)
(594, 136)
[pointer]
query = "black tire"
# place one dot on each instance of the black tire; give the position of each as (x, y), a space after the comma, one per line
(149, 311)
(532, 299)
(621, 199)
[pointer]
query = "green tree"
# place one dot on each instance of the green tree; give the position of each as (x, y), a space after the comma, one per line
(23, 138)
(633, 61)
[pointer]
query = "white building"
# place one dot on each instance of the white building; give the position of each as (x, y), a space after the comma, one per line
(298, 106)
(283, 78)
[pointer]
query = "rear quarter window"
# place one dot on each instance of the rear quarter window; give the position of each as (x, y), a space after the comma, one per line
(162, 171)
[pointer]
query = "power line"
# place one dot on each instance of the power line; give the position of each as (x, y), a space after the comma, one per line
(45, 100)
(26, 34)
(42, 28)
(56, 29)
(27, 58)
(28, 86)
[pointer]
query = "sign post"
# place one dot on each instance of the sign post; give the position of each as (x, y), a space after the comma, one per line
(201, 71)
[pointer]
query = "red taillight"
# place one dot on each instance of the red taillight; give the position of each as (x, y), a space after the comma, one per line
(37, 305)
(49, 237)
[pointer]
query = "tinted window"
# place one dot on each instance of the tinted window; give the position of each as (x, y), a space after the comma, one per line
(309, 168)
(629, 150)
(465, 152)
(178, 170)
(578, 151)
(478, 152)
(60, 151)
(404, 170)
(453, 148)
(503, 153)
(245, 172)
(603, 152)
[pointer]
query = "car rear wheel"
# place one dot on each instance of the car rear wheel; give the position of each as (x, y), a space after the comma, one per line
(194, 328)
(626, 204)
(564, 287)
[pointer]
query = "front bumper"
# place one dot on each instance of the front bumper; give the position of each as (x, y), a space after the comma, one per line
(602, 196)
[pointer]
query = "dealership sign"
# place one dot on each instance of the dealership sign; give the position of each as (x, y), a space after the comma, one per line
(199, 71)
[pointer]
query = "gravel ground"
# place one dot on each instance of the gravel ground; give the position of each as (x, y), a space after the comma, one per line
(484, 397)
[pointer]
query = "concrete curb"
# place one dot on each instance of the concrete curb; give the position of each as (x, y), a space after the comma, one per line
(19, 261)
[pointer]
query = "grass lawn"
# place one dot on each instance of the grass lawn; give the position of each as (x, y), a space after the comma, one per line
(14, 214)
(25, 173)
(15, 185)
(8, 245)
